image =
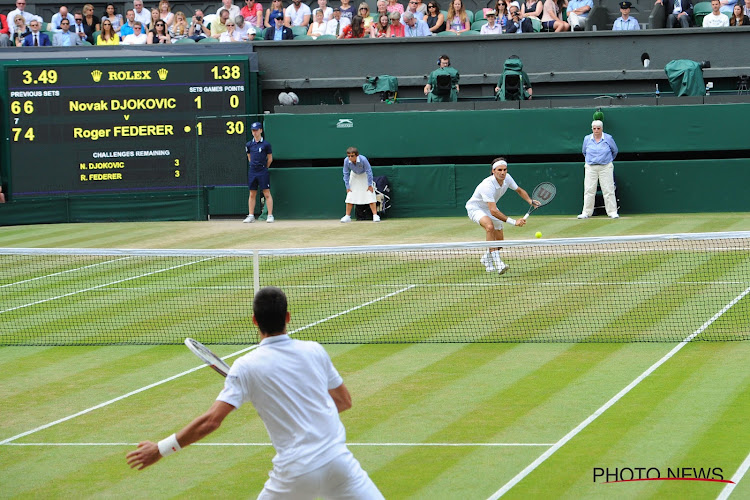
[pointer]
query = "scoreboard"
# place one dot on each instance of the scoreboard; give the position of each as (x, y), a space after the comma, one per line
(112, 126)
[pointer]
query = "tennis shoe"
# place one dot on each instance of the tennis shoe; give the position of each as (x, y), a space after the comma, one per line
(249, 218)
(615, 216)
(270, 219)
(503, 268)
(583, 216)
(376, 218)
(346, 218)
(487, 262)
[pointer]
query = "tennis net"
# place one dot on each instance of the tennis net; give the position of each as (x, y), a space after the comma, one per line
(662, 288)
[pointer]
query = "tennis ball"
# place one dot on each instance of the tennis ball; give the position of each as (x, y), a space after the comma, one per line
(538, 234)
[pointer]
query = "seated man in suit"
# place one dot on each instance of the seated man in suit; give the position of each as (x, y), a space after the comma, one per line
(517, 24)
(36, 38)
(679, 12)
(278, 31)
(442, 84)
(66, 38)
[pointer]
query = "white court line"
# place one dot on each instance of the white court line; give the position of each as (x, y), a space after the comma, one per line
(735, 479)
(570, 435)
(186, 372)
(103, 285)
(270, 444)
(62, 272)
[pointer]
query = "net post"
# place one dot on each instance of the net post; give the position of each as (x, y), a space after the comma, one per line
(256, 271)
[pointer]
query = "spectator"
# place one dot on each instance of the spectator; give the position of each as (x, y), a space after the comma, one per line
(364, 12)
(442, 84)
(253, 13)
(276, 6)
(382, 8)
(54, 24)
(746, 9)
(502, 15)
(318, 26)
(727, 6)
(532, 9)
(179, 28)
(197, 31)
(336, 25)
(394, 6)
(715, 19)
(159, 34)
(599, 150)
(234, 11)
(395, 29)
(27, 16)
(108, 35)
(380, 28)
(114, 18)
(482, 209)
(625, 22)
(91, 23)
(259, 159)
(414, 27)
(137, 37)
(514, 66)
(578, 11)
(679, 12)
(347, 10)
(20, 31)
(219, 25)
(435, 19)
(141, 14)
(165, 13)
(458, 21)
(245, 30)
(739, 18)
(127, 27)
(297, 14)
(36, 38)
(155, 16)
(422, 8)
(231, 34)
(78, 27)
(355, 30)
(358, 184)
(4, 32)
(327, 11)
(492, 27)
(66, 38)
(412, 7)
(279, 31)
(517, 23)
(551, 18)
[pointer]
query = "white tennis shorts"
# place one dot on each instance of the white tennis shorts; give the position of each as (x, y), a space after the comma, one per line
(476, 216)
(341, 478)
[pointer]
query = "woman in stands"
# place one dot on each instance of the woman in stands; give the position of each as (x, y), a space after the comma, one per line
(179, 28)
(380, 28)
(159, 34)
(318, 26)
(354, 30)
(347, 10)
(21, 30)
(165, 13)
(738, 17)
(108, 35)
(327, 11)
(552, 16)
(364, 12)
(395, 29)
(435, 19)
(457, 18)
(91, 23)
(154, 17)
(502, 14)
(114, 18)
(231, 34)
(394, 6)
(276, 6)
(532, 9)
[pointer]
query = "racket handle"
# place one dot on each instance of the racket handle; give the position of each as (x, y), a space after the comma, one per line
(526, 216)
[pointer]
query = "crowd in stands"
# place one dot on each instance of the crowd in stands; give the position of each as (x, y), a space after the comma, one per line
(391, 19)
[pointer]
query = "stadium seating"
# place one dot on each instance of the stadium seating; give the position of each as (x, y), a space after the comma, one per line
(477, 25)
(299, 31)
(208, 39)
(700, 10)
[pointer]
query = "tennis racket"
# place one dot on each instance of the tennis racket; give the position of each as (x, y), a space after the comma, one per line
(543, 193)
(207, 356)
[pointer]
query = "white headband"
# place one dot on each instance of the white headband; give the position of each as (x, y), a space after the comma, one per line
(498, 163)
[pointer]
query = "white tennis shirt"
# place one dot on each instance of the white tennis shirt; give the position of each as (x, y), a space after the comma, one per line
(287, 380)
(489, 191)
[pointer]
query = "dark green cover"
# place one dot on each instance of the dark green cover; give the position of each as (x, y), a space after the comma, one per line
(685, 77)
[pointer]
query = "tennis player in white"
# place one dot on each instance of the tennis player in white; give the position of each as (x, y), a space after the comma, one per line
(482, 209)
(298, 394)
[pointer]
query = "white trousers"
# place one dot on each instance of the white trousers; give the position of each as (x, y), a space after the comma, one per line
(576, 20)
(341, 478)
(604, 175)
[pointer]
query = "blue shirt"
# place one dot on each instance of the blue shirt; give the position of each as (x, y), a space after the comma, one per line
(577, 4)
(599, 153)
(362, 165)
(278, 33)
(258, 152)
(126, 30)
(630, 25)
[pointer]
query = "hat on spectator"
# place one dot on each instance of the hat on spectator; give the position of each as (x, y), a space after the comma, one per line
(256, 126)
(518, 6)
(625, 5)
(491, 13)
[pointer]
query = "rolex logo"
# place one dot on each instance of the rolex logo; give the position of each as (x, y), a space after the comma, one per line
(162, 73)
(96, 75)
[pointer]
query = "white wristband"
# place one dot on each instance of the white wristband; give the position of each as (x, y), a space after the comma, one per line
(511, 221)
(169, 445)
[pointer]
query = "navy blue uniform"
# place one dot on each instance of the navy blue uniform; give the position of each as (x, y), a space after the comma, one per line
(257, 171)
